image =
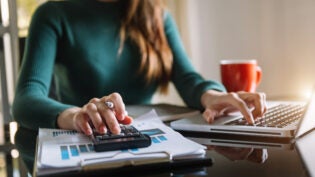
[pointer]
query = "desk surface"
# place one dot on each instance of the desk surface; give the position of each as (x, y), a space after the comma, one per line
(229, 159)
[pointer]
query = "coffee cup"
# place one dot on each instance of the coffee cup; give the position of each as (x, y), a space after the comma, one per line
(240, 75)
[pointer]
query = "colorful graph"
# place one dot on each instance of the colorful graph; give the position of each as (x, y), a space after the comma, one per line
(68, 151)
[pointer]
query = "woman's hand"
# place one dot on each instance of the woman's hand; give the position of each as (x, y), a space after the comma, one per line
(96, 114)
(217, 104)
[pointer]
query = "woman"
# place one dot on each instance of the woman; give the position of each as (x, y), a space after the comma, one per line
(118, 52)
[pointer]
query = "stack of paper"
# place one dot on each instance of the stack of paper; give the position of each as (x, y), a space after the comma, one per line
(64, 150)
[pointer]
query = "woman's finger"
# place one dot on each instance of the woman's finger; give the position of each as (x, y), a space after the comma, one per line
(258, 100)
(209, 115)
(81, 123)
(118, 105)
(92, 111)
(237, 102)
(108, 117)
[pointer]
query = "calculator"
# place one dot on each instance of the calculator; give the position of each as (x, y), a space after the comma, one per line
(129, 138)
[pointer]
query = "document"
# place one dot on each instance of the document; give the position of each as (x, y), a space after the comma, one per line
(67, 150)
(166, 112)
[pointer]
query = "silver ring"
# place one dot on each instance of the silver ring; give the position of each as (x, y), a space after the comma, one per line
(109, 104)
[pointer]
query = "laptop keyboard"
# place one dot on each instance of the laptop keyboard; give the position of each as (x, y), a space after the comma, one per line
(279, 116)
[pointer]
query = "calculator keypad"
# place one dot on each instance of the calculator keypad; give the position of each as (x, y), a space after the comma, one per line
(128, 138)
(126, 131)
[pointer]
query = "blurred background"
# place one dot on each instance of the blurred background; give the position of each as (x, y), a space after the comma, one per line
(280, 34)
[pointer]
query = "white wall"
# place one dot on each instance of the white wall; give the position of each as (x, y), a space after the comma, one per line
(280, 34)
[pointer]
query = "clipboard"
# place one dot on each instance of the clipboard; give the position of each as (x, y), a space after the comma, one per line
(163, 164)
(59, 151)
(183, 166)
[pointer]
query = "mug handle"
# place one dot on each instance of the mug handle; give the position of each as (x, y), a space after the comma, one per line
(258, 76)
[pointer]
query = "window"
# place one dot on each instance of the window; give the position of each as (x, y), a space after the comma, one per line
(25, 10)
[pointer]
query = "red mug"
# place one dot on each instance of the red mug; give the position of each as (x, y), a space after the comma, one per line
(240, 75)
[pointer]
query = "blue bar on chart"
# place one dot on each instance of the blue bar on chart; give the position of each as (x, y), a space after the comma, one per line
(91, 147)
(74, 150)
(162, 138)
(134, 150)
(155, 140)
(64, 153)
(83, 148)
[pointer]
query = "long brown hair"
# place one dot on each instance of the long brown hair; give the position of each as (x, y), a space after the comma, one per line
(143, 23)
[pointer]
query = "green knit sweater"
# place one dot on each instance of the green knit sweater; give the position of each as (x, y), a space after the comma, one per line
(75, 44)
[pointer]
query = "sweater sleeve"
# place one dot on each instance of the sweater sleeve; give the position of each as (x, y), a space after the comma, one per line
(189, 84)
(32, 108)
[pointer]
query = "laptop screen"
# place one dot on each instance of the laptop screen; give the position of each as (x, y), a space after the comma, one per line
(308, 120)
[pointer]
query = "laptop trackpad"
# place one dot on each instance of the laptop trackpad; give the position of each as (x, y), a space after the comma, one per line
(227, 118)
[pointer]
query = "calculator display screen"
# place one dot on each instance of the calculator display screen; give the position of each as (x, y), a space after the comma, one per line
(118, 139)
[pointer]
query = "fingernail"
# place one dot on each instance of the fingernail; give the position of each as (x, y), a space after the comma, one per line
(252, 120)
(89, 131)
(116, 129)
(102, 129)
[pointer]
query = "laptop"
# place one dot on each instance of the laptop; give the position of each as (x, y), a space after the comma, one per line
(282, 120)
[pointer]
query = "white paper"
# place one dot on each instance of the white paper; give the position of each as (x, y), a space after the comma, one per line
(66, 148)
(165, 112)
